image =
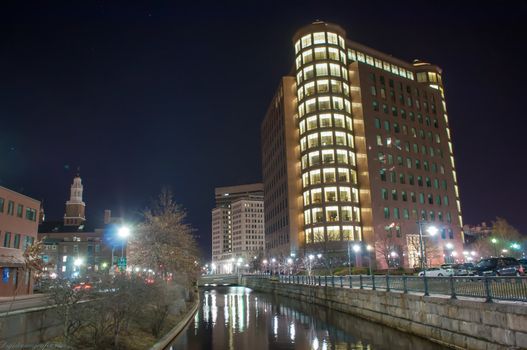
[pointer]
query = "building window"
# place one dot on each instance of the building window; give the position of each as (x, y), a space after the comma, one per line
(384, 193)
(1, 205)
(10, 207)
(7, 239)
(386, 213)
(17, 241)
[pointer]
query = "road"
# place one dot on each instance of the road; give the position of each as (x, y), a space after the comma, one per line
(22, 302)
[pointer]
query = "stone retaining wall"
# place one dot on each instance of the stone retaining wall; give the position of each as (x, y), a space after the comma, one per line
(460, 324)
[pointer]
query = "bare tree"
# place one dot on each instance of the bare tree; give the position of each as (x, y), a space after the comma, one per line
(66, 305)
(385, 246)
(503, 236)
(164, 242)
(431, 249)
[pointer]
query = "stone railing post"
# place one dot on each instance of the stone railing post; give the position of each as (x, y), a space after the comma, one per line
(373, 282)
(360, 282)
(405, 284)
(387, 283)
(452, 288)
(488, 294)
(425, 282)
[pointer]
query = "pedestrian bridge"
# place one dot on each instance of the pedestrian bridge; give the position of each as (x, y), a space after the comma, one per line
(218, 280)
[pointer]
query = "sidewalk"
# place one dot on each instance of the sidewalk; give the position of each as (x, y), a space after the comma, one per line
(21, 297)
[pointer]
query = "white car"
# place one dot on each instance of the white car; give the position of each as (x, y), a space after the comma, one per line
(438, 272)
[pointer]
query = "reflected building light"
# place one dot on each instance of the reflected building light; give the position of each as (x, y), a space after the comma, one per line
(247, 311)
(275, 326)
(226, 311)
(324, 345)
(214, 309)
(196, 323)
(240, 312)
(314, 344)
(292, 332)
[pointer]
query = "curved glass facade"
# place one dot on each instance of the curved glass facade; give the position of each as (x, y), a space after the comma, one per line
(330, 191)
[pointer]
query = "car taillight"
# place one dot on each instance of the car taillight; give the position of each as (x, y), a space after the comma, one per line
(521, 270)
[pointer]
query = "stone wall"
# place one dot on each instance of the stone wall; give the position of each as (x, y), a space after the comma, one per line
(461, 324)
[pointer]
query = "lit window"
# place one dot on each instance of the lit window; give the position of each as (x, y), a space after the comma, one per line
(320, 53)
(332, 38)
(297, 46)
(333, 233)
(311, 105)
(305, 179)
(325, 120)
(322, 86)
(333, 54)
(326, 138)
(312, 140)
(340, 138)
(328, 156)
(315, 177)
(344, 194)
(316, 196)
(339, 120)
(314, 158)
(309, 72)
(323, 103)
(338, 103)
(318, 234)
(306, 40)
(343, 175)
(334, 70)
(307, 56)
(342, 156)
(310, 88)
(307, 217)
(347, 233)
(329, 175)
(318, 215)
(319, 38)
(322, 69)
(332, 214)
(303, 144)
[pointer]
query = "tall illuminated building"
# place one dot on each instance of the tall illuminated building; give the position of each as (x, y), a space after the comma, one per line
(356, 148)
(237, 227)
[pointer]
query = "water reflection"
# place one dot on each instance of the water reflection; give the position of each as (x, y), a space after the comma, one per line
(237, 318)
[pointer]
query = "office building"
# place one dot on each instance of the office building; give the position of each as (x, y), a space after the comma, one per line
(237, 227)
(357, 149)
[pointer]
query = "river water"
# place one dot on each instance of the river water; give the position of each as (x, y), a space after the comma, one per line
(238, 318)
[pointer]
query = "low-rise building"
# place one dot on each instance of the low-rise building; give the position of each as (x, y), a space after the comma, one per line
(18, 229)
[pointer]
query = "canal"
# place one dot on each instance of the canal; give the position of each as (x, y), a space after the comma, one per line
(238, 318)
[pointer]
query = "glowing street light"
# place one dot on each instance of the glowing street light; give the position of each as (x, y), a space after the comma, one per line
(123, 232)
(432, 231)
(319, 255)
(356, 248)
(78, 262)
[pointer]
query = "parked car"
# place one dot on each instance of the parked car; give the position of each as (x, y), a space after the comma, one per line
(438, 271)
(459, 269)
(499, 267)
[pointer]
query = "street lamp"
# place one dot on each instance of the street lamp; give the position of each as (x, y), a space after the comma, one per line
(494, 241)
(432, 231)
(369, 248)
(356, 250)
(310, 259)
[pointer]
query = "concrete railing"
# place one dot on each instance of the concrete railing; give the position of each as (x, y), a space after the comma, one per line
(466, 324)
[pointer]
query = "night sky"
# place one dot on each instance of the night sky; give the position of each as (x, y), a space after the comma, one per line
(145, 95)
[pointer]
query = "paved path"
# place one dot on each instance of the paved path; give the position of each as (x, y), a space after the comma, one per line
(22, 302)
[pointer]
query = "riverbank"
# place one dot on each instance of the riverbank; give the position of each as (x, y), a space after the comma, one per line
(455, 323)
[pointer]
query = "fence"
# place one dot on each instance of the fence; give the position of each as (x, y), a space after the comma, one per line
(488, 288)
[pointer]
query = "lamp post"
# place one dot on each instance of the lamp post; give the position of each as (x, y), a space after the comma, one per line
(494, 242)
(369, 248)
(356, 250)
(310, 259)
(432, 230)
